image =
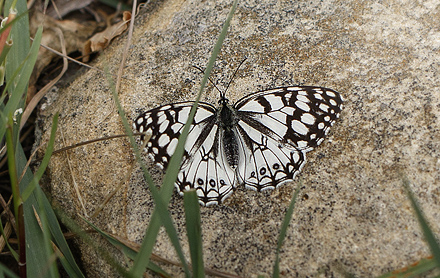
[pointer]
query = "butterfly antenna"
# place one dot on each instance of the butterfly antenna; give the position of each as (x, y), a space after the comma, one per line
(235, 73)
(210, 80)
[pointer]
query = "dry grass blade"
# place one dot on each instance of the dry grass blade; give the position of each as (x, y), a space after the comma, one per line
(7, 210)
(113, 192)
(70, 58)
(124, 54)
(75, 185)
(92, 141)
(127, 46)
(122, 182)
(36, 99)
(7, 231)
(135, 247)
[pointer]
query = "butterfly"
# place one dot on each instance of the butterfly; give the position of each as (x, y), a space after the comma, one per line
(261, 141)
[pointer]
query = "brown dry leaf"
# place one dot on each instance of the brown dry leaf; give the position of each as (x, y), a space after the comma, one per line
(101, 40)
(75, 35)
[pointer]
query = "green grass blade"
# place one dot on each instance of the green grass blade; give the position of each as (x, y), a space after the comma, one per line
(284, 226)
(419, 269)
(127, 250)
(12, 167)
(427, 231)
(3, 56)
(67, 260)
(154, 225)
(37, 176)
(11, 23)
(35, 253)
(5, 271)
(21, 43)
(22, 79)
(16, 97)
(16, 197)
(194, 232)
(160, 209)
(171, 174)
(50, 268)
(104, 254)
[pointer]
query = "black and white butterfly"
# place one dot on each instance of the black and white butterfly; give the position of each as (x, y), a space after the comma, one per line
(261, 141)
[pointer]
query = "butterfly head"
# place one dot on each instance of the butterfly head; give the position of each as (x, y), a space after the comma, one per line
(223, 100)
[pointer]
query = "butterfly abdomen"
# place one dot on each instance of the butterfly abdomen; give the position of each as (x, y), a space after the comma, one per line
(227, 121)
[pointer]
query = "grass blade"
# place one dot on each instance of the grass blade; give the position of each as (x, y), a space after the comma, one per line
(23, 74)
(194, 232)
(36, 254)
(17, 201)
(127, 250)
(20, 36)
(50, 268)
(419, 269)
(6, 271)
(104, 254)
(67, 259)
(427, 231)
(2, 233)
(160, 212)
(171, 174)
(37, 176)
(284, 226)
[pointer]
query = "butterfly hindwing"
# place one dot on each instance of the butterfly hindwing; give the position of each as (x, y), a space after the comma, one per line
(267, 163)
(208, 172)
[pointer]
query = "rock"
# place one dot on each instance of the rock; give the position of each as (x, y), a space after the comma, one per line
(353, 216)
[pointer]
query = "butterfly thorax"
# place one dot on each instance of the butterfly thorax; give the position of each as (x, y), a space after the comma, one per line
(227, 121)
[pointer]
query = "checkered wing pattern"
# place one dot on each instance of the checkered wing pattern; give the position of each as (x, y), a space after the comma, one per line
(260, 141)
(278, 127)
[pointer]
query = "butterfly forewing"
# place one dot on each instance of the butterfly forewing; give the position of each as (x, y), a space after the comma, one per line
(300, 116)
(271, 130)
(282, 125)
(165, 124)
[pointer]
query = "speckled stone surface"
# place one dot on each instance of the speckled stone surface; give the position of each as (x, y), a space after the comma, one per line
(353, 216)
